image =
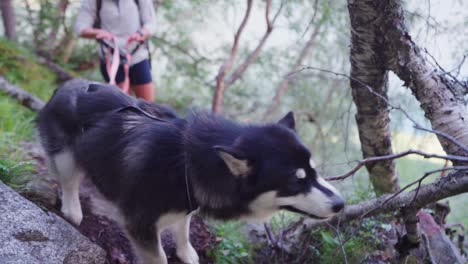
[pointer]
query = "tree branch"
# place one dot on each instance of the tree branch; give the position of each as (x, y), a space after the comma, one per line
(239, 71)
(23, 97)
(441, 97)
(416, 124)
(392, 157)
(284, 84)
(62, 74)
(217, 103)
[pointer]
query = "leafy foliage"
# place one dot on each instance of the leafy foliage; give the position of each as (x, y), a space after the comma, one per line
(233, 247)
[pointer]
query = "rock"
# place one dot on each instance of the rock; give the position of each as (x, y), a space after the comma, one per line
(440, 248)
(30, 235)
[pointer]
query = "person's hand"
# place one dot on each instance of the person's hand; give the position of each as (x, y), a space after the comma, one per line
(138, 36)
(102, 34)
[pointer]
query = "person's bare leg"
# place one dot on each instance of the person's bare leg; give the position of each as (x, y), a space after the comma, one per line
(122, 86)
(144, 91)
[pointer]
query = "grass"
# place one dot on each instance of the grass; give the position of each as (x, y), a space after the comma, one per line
(18, 66)
(17, 122)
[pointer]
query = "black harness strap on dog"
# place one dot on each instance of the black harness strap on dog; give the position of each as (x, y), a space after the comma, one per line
(139, 110)
(187, 183)
(145, 113)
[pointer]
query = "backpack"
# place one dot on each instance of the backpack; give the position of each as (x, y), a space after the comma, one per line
(97, 22)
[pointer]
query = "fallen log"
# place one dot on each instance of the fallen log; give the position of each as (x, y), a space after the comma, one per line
(23, 97)
(62, 74)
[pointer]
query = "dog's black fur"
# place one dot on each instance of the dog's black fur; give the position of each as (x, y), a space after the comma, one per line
(145, 165)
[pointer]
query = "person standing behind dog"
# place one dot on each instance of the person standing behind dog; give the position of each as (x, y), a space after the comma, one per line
(129, 21)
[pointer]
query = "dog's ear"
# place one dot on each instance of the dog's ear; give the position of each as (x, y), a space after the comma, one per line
(234, 160)
(288, 121)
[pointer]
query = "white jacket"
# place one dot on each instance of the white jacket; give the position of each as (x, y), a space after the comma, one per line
(122, 18)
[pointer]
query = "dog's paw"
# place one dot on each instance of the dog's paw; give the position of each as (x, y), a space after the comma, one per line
(188, 254)
(75, 216)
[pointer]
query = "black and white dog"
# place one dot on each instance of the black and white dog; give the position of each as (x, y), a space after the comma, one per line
(157, 168)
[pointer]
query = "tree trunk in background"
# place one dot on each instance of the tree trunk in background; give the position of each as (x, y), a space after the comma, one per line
(9, 19)
(372, 117)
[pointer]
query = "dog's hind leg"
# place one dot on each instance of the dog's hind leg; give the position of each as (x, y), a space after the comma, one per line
(146, 242)
(184, 249)
(69, 177)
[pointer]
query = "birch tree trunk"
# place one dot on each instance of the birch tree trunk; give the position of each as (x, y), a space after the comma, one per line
(387, 45)
(441, 97)
(368, 67)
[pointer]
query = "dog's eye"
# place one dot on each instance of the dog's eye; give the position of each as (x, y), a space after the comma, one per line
(300, 173)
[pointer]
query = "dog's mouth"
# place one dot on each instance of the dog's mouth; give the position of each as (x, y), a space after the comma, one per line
(295, 210)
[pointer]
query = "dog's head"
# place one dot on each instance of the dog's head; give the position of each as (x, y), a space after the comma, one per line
(278, 172)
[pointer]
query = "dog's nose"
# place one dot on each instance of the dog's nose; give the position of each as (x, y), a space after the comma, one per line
(338, 203)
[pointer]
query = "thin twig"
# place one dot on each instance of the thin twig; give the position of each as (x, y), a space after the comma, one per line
(217, 103)
(444, 72)
(283, 86)
(270, 235)
(341, 245)
(369, 212)
(239, 71)
(371, 90)
(395, 156)
(312, 20)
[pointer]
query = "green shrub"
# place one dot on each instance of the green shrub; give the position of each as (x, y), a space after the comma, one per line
(233, 247)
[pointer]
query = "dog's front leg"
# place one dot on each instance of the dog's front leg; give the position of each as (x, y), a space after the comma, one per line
(184, 251)
(69, 176)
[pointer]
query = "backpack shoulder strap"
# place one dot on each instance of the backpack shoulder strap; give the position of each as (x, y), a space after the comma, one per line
(97, 22)
(137, 2)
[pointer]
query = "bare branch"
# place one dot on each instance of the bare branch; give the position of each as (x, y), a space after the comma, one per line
(371, 90)
(237, 74)
(312, 20)
(444, 72)
(196, 58)
(284, 84)
(217, 104)
(392, 157)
